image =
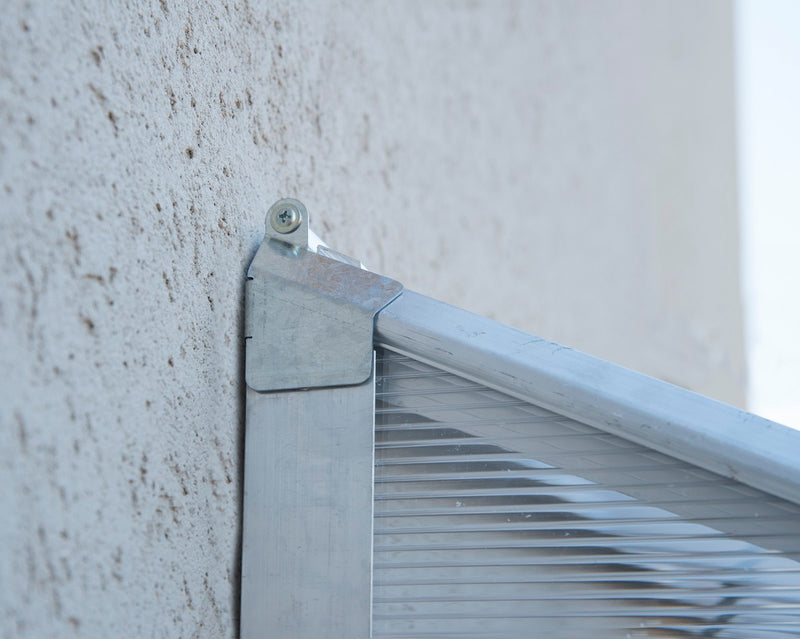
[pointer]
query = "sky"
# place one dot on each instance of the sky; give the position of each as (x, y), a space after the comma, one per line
(768, 78)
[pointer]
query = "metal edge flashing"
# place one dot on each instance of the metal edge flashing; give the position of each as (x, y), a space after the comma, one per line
(669, 419)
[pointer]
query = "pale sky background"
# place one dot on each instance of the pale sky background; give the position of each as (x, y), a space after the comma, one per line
(768, 59)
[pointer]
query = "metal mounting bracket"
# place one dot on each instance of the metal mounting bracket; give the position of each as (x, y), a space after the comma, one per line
(308, 318)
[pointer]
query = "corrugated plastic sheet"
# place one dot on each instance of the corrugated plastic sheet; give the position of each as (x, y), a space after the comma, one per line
(497, 518)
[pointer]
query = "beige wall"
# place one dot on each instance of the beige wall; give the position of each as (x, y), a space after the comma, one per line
(563, 167)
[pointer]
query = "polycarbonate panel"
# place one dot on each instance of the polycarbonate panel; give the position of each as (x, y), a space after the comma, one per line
(497, 518)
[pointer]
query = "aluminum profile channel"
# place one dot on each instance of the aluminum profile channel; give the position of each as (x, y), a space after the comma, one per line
(712, 435)
(308, 485)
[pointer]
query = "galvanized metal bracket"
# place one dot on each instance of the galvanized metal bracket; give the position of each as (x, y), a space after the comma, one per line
(308, 318)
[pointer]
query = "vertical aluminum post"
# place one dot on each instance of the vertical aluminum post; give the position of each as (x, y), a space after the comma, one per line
(309, 441)
(307, 533)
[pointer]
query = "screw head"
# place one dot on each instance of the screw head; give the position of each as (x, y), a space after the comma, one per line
(285, 218)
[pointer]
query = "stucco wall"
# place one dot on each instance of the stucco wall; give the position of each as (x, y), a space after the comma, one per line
(564, 167)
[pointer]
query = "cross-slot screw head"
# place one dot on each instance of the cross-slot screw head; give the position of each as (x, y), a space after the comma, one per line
(285, 218)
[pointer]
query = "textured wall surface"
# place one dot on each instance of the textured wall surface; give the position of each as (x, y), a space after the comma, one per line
(564, 167)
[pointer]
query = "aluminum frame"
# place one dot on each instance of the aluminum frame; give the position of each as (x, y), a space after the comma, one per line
(308, 489)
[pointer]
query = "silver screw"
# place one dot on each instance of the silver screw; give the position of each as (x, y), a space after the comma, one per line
(285, 218)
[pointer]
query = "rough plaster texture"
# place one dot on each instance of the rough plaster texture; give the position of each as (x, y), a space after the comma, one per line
(564, 167)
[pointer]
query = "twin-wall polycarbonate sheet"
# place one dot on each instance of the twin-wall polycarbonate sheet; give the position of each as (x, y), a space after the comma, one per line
(497, 518)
